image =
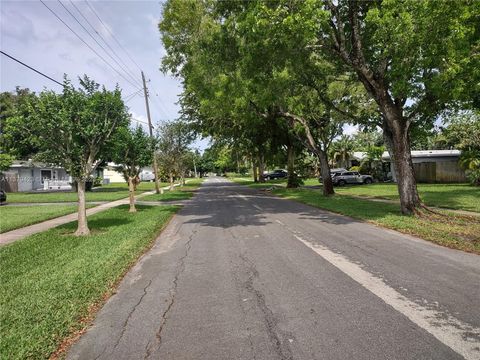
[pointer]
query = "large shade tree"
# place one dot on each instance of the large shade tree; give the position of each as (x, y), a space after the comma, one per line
(77, 127)
(403, 52)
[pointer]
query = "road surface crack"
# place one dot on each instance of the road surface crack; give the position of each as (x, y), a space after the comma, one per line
(173, 292)
(124, 327)
(282, 348)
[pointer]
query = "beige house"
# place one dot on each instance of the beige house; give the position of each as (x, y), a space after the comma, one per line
(434, 166)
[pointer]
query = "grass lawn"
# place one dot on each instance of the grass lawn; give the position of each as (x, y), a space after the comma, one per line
(110, 192)
(50, 280)
(449, 196)
(452, 196)
(179, 193)
(174, 195)
(14, 217)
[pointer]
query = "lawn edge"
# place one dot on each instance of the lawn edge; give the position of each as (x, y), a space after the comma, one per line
(47, 219)
(87, 321)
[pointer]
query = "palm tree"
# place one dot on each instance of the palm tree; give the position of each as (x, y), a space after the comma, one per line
(470, 162)
(342, 150)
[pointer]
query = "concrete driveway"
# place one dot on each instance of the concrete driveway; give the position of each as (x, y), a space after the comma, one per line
(239, 274)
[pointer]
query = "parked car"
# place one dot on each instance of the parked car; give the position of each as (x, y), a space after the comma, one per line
(350, 177)
(276, 174)
(3, 196)
(333, 172)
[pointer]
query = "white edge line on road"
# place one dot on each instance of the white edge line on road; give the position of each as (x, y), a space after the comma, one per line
(246, 199)
(460, 337)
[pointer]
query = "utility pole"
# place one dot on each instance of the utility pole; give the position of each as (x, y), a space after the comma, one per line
(150, 127)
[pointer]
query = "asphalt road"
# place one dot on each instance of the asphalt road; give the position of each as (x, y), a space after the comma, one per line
(240, 274)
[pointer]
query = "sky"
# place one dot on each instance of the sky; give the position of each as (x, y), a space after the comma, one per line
(33, 35)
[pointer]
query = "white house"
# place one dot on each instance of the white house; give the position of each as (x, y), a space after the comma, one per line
(111, 175)
(28, 175)
(31, 176)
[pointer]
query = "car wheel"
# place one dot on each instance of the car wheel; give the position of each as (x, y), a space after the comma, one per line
(367, 181)
(341, 183)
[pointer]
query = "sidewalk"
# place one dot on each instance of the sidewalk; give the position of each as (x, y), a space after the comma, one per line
(17, 234)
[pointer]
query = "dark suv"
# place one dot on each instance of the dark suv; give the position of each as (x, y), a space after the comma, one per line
(276, 174)
(3, 196)
(351, 177)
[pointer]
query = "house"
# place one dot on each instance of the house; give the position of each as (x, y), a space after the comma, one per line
(430, 166)
(434, 166)
(28, 175)
(111, 175)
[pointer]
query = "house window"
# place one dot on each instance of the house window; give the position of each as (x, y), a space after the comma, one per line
(45, 174)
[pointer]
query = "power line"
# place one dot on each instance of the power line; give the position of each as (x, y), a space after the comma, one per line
(55, 81)
(131, 96)
(140, 121)
(31, 68)
(113, 35)
(124, 67)
(93, 38)
(81, 39)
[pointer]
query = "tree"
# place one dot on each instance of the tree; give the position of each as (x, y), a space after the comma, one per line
(132, 151)
(463, 132)
(342, 150)
(172, 143)
(5, 162)
(77, 128)
(17, 137)
(400, 51)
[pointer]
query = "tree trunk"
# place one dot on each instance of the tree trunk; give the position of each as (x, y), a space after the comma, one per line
(255, 174)
(291, 181)
(325, 171)
(171, 182)
(398, 139)
(82, 228)
(131, 194)
(261, 168)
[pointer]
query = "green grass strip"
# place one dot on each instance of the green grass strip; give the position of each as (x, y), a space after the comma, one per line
(14, 217)
(174, 195)
(49, 280)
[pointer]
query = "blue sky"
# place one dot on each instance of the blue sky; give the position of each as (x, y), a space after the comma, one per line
(32, 34)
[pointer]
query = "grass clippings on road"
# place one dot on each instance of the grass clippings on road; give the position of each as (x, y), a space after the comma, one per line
(15, 217)
(50, 280)
(447, 229)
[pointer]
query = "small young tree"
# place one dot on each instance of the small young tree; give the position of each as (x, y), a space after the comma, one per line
(172, 143)
(132, 150)
(76, 128)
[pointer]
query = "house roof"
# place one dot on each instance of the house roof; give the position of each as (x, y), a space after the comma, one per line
(33, 164)
(360, 155)
(428, 154)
